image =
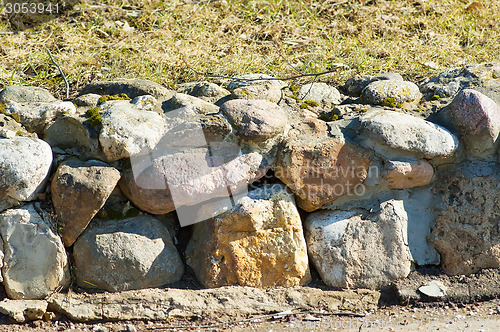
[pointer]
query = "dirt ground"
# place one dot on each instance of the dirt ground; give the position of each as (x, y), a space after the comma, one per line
(471, 304)
(482, 316)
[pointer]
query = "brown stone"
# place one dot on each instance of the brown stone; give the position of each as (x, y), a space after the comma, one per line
(319, 168)
(466, 232)
(79, 191)
(259, 243)
(409, 174)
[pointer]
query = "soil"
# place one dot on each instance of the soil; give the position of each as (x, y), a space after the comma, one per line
(471, 303)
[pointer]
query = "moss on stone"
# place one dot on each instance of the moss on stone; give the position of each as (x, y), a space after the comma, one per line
(105, 98)
(295, 89)
(435, 97)
(311, 102)
(95, 118)
(390, 102)
(16, 117)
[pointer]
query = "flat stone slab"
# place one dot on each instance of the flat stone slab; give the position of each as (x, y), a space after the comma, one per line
(160, 304)
(23, 310)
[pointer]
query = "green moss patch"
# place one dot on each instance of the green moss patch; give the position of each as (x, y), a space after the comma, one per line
(105, 98)
(94, 115)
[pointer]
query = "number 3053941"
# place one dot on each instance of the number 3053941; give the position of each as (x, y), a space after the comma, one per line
(14, 7)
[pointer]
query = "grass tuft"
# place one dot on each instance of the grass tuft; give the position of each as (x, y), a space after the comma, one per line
(155, 39)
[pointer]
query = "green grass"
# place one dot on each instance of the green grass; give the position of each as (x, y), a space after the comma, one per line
(279, 37)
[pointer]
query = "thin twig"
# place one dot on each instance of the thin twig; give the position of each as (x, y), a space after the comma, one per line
(280, 315)
(289, 78)
(62, 74)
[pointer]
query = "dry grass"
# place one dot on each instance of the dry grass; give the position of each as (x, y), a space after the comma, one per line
(278, 37)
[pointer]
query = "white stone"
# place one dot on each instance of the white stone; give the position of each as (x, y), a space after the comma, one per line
(127, 131)
(24, 165)
(35, 262)
(34, 116)
(357, 250)
(393, 134)
(388, 92)
(321, 93)
(434, 288)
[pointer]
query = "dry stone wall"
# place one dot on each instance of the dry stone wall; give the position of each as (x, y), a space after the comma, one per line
(363, 182)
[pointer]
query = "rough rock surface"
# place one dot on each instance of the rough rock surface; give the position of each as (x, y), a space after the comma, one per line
(477, 118)
(161, 304)
(68, 132)
(355, 85)
(34, 116)
(319, 168)
(24, 165)
(207, 91)
(23, 310)
(10, 127)
(26, 94)
(79, 191)
(35, 262)
(481, 77)
(396, 135)
(132, 88)
(408, 174)
(258, 243)
(321, 93)
(196, 112)
(127, 131)
(189, 178)
(466, 232)
(257, 86)
(389, 92)
(351, 249)
(255, 120)
(128, 254)
(88, 100)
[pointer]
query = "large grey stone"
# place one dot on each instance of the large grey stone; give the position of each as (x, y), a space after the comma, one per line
(257, 86)
(481, 77)
(258, 243)
(321, 93)
(132, 88)
(391, 93)
(133, 253)
(207, 91)
(79, 191)
(127, 131)
(24, 165)
(35, 262)
(197, 112)
(466, 231)
(396, 135)
(353, 249)
(73, 132)
(34, 116)
(355, 85)
(26, 94)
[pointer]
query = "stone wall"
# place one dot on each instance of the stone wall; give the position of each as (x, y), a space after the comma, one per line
(364, 182)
